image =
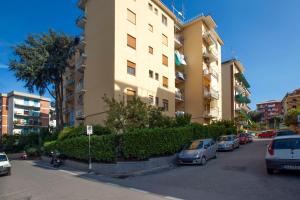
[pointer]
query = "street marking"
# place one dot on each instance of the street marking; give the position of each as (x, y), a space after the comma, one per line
(138, 190)
(68, 172)
(172, 198)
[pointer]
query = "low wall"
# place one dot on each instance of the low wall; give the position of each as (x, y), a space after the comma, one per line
(122, 168)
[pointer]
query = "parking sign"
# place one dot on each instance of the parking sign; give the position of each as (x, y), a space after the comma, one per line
(89, 130)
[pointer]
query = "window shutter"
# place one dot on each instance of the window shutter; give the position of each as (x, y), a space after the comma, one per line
(131, 41)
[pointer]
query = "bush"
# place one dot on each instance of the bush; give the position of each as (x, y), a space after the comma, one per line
(103, 148)
(145, 143)
(32, 151)
(68, 133)
(18, 143)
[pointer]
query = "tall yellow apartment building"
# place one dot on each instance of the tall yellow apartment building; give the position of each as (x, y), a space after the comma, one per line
(140, 48)
(236, 93)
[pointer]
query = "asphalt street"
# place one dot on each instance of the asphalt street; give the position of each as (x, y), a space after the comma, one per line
(233, 175)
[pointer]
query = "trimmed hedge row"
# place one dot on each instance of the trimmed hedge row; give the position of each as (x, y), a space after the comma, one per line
(103, 148)
(145, 143)
(139, 144)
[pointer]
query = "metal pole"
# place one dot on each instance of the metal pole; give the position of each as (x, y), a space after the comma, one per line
(90, 160)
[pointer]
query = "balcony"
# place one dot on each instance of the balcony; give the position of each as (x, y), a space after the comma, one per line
(241, 78)
(81, 4)
(81, 21)
(180, 77)
(178, 95)
(211, 94)
(69, 82)
(179, 59)
(208, 38)
(81, 63)
(211, 113)
(242, 99)
(178, 41)
(209, 73)
(210, 55)
(27, 104)
(20, 122)
(79, 114)
(80, 88)
(27, 114)
(179, 113)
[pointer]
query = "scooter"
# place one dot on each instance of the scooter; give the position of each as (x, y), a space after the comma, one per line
(56, 161)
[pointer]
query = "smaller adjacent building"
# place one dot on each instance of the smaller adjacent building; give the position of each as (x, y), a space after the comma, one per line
(291, 101)
(235, 91)
(270, 110)
(22, 113)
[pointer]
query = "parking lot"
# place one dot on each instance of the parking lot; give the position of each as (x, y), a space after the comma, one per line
(240, 174)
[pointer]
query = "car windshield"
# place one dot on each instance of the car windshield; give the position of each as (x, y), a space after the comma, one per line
(3, 158)
(224, 138)
(290, 143)
(194, 145)
(284, 133)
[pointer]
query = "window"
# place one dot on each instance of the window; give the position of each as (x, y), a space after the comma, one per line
(150, 6)
(131, 16)
(151, 99)
(165, 60)
(164, 39)
(131, 68)
(130, 95)
(150, 50)
(150, 27)
(156, 76)
(131, 41)
(164, 20)
(150, 74)
(156, 11)
(165, 105)
(156, 101)
(165, 82)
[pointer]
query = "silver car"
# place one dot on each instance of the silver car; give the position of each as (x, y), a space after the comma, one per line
(5, 166)
(228, 143)
(198, 152)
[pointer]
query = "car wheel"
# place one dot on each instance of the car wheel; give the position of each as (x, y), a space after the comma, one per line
(9, 172)
(270, 171)
(203, 160)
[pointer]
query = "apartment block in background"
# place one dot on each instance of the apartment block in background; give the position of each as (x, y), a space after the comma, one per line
(140, 48)
(235, 90)
(23, 113)
(3, 114)
(291, 101)
(270, 109)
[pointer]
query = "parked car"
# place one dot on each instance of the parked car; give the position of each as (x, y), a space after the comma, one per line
(285, 133)
(243, 138)
(250, 137)
(5, 166)
(267, 134)
(228, 143)
(283, 153)
(198, 152)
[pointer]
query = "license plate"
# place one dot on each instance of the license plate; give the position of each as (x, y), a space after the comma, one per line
(292, 167)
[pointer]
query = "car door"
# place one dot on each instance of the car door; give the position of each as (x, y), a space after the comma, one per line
(214, 148)
(207, 152)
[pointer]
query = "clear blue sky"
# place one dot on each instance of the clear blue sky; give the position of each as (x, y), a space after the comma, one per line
(263, 34)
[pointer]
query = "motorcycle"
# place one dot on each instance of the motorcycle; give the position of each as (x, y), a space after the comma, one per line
(56, 159)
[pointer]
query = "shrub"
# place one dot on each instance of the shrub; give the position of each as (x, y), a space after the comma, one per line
(103, 148)
(144, 143)
(65, 133)
(32, 151)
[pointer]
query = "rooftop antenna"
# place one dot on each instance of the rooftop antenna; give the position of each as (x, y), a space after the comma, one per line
(178, 13)
(233, 56)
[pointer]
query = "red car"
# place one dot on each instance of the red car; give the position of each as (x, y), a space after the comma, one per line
(266, 134)
(243, 138)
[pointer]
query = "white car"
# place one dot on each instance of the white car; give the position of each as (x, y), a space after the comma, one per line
(283, 153)
(5, 166)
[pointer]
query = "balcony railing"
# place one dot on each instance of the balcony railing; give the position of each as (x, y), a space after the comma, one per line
(211, 94)
(81, 63)
(211, 113)
(242, 99)
(241, 78)
(179, 95)
(178, 41)
(207, 36)
(30, 114)
(210, 73)
(180, 77)
(81, 21)
(80, 88)
(79, 114)
(209, 56)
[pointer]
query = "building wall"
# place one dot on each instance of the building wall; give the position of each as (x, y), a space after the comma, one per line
(270, 109)
(227, 92)
(3, 115)
(100, 50)
(141, 82)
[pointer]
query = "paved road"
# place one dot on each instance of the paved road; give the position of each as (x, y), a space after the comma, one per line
(234, 175)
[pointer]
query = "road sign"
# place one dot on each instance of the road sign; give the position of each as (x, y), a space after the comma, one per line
(89, 130)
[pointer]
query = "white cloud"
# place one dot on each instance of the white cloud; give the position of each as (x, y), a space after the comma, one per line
(3, 66)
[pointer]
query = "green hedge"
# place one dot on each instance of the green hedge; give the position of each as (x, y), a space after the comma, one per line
(103, 148)
(139, 144)
(145, 143)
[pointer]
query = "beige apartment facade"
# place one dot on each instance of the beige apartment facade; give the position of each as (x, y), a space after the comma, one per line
(235, 87)
(291, 101)
(133, 53)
